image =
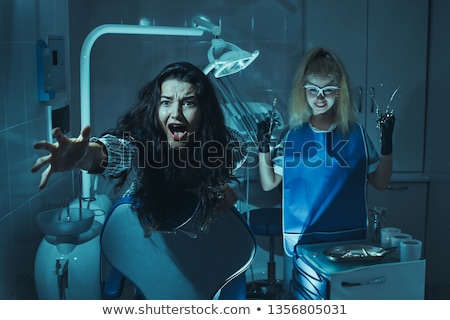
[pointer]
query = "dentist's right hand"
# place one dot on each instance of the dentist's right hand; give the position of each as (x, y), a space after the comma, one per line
(264, 134)
(65, 154)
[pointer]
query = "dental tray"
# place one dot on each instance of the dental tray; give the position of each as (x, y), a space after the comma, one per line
(356, 252)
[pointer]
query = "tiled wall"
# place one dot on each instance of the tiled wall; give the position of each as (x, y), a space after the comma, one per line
(22, 123)
(120, 66)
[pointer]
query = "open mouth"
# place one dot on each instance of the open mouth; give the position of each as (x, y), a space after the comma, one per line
(178, 131)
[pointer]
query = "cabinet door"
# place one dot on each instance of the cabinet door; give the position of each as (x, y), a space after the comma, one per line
(342, 27)
(397, 57)
(383, 45)
(406, 206)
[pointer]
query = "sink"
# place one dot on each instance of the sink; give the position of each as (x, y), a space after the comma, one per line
(65, 221)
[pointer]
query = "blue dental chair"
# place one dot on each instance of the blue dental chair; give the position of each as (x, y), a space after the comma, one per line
(182, 264)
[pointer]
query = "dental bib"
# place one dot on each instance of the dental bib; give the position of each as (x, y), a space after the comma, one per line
(324, 186)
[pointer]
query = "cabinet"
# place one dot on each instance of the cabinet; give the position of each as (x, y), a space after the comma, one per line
(316, 277)
(383, 45)
(406, 204)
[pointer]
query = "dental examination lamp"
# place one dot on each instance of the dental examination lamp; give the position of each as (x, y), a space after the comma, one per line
(232, 58)
(224, 58)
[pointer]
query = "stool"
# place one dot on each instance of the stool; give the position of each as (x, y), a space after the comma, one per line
(266, 222)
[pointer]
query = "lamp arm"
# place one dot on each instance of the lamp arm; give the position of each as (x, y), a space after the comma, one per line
(206, 25)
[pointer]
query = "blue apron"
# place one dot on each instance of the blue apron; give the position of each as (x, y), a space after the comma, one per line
(324, 186)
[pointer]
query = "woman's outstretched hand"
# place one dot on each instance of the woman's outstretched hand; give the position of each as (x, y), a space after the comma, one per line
(64, 155)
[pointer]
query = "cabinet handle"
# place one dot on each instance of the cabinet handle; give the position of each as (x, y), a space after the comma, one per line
(360, 99)
(364, 283)
(372, 95)
(399, 188)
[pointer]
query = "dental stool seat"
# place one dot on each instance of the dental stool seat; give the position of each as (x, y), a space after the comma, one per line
(267, 222)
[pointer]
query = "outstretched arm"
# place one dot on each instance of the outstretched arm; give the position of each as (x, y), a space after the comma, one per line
(68, 154)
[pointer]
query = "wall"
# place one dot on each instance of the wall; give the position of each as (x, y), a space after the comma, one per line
(23, 118)
(437, 156)
(22, 123)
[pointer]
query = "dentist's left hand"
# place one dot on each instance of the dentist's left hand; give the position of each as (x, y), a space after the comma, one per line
(65, 154)
(387, 128)
(264, 134)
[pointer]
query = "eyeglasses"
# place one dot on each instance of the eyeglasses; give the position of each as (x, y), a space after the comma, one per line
(315, 91)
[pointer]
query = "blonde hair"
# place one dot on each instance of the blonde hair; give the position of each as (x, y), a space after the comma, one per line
(319, 61)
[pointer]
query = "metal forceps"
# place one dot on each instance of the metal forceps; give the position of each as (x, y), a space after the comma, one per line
(389, 112)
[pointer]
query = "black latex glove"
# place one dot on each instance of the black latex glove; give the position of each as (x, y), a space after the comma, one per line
(264, 136)
(387, 128)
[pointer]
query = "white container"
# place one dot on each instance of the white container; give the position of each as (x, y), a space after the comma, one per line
(395, 242)
(386, 236)
(410, 250)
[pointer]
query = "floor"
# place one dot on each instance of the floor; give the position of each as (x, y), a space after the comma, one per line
(257, 289)
(258, 286)
(263, 290)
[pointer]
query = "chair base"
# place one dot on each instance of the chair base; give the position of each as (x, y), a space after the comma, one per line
(263, 290)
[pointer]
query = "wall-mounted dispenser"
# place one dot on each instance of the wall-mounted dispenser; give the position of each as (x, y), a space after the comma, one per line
(57, 65)
(50, 67)
(45, 90)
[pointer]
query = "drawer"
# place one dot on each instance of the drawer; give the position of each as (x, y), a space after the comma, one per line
(390, 281)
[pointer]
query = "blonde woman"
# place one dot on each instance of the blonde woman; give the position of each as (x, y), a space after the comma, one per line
(325, 158)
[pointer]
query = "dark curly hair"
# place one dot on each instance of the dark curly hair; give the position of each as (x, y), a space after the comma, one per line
(162, 177)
